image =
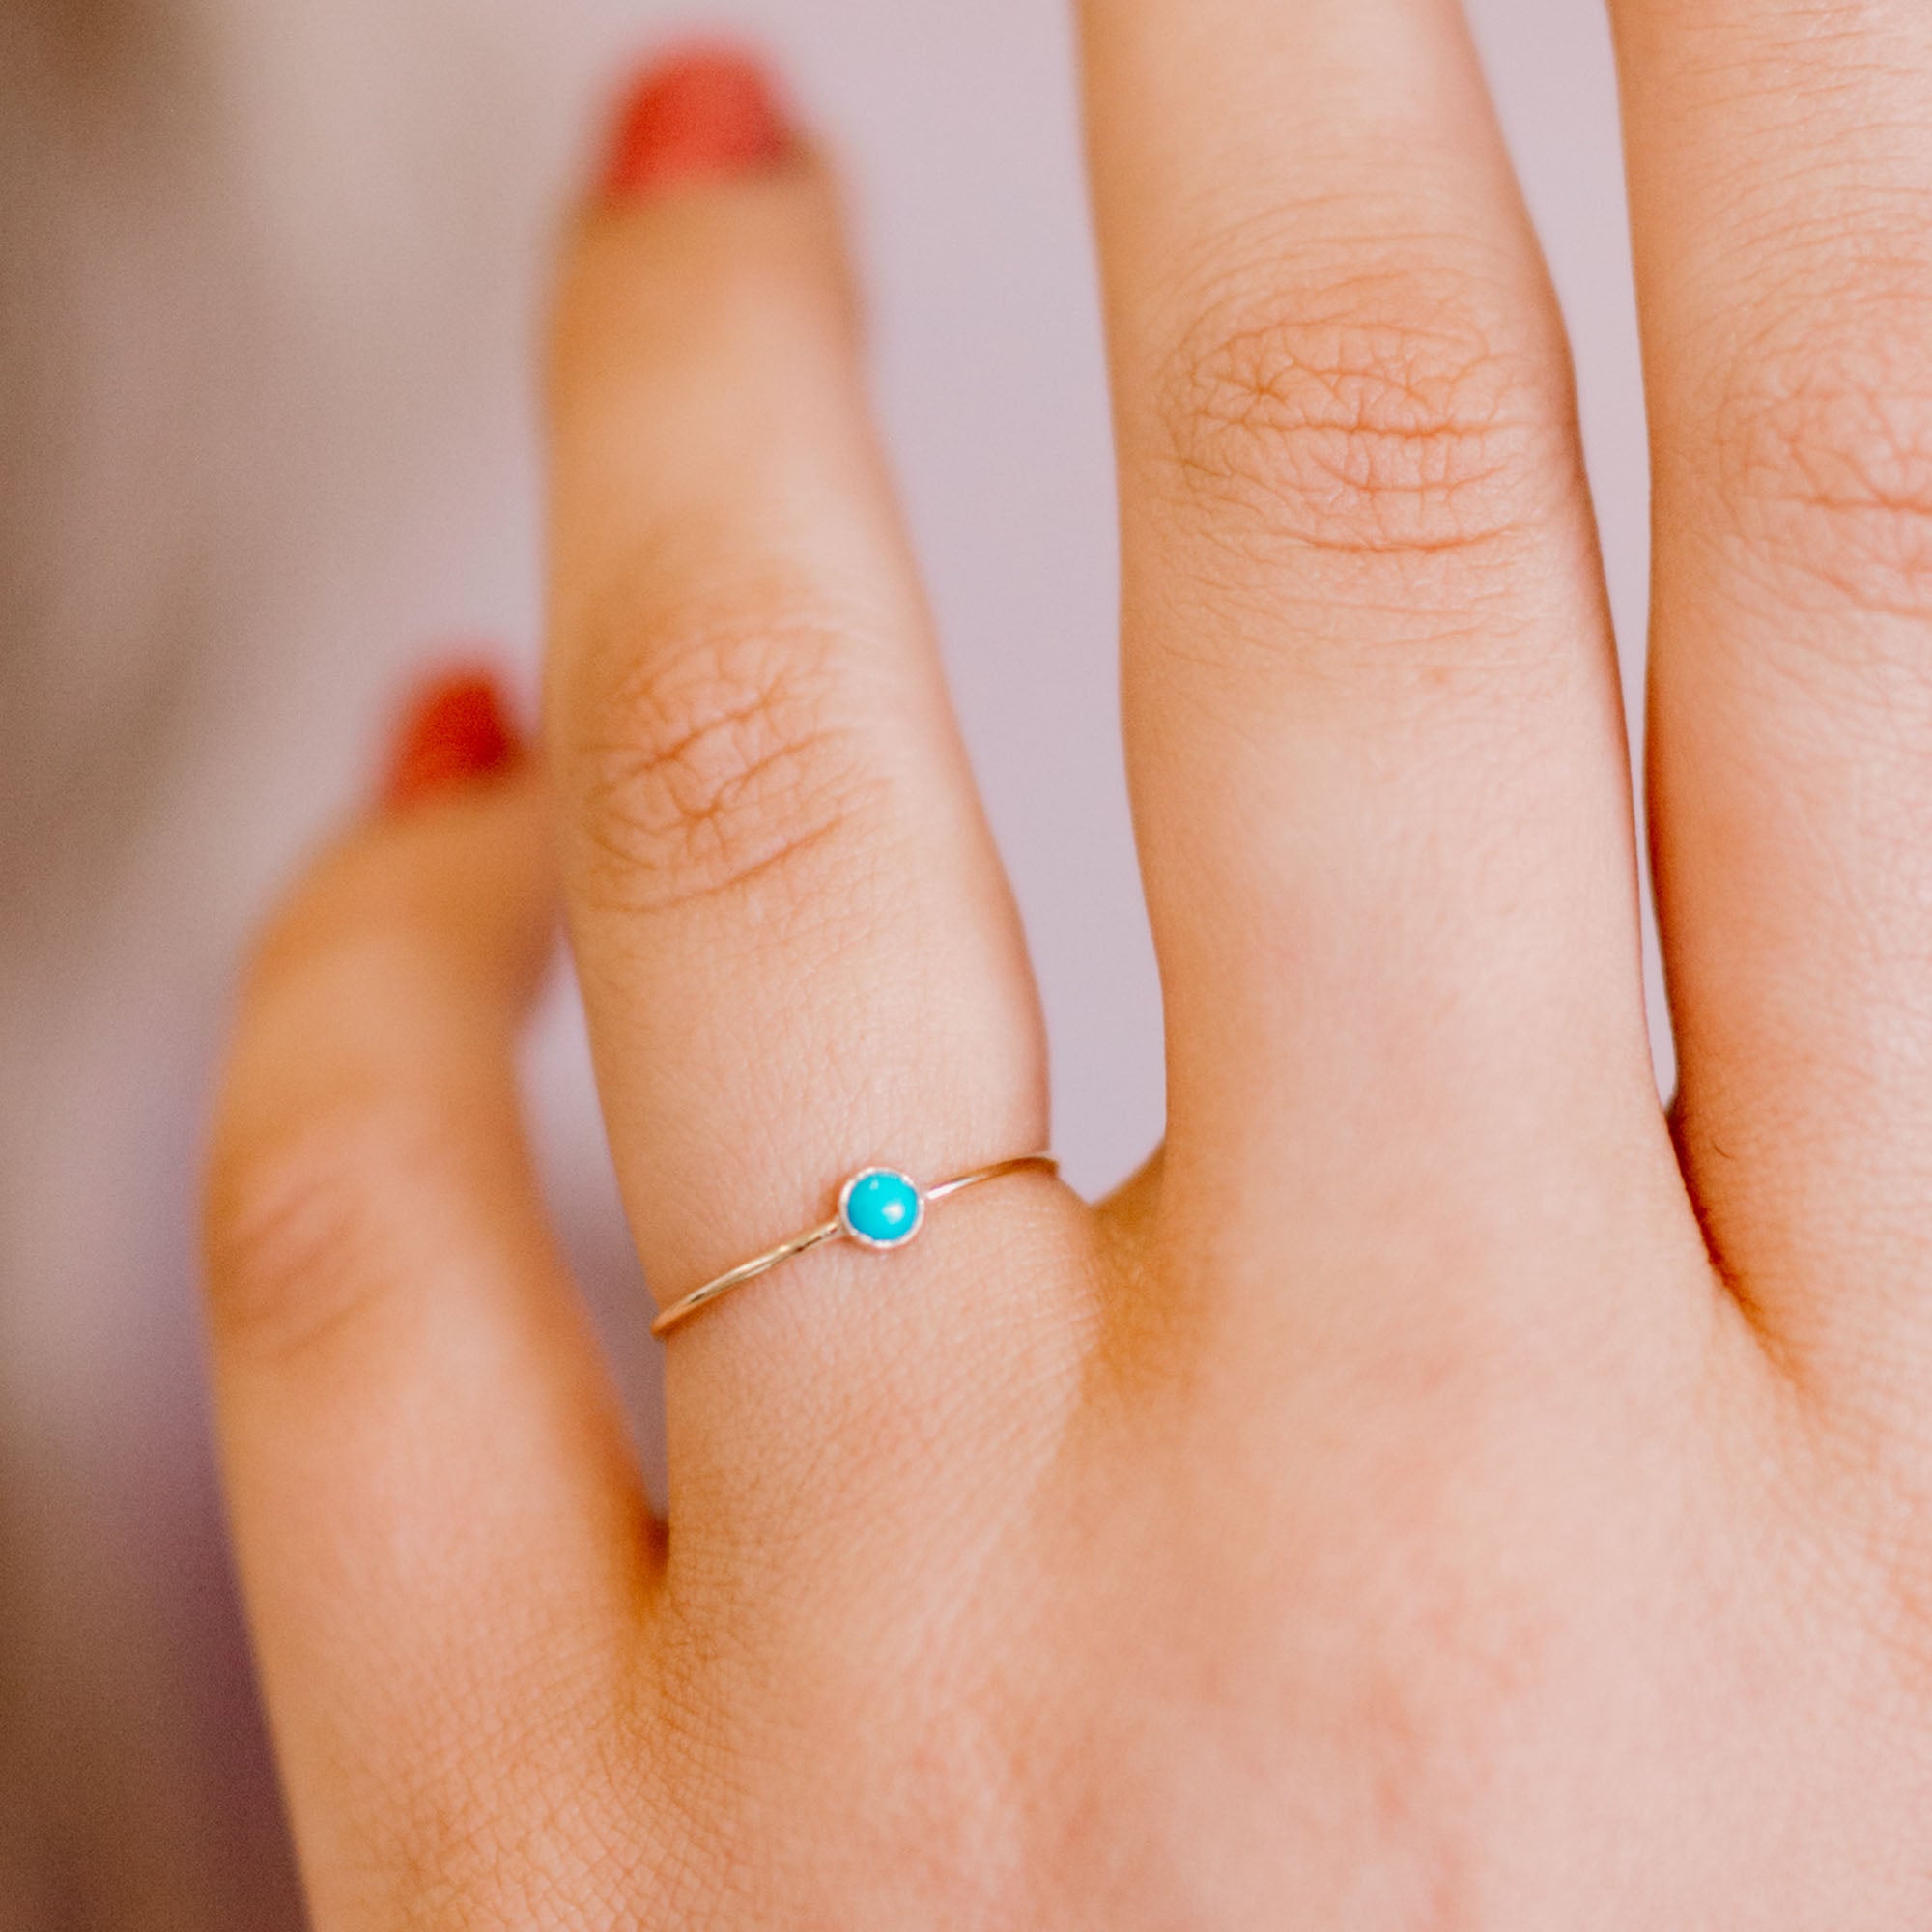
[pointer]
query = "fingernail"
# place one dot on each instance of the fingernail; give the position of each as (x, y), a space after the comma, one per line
(706, 112)
(454, 731)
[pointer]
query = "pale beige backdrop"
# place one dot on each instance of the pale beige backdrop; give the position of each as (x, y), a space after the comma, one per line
(269, 278)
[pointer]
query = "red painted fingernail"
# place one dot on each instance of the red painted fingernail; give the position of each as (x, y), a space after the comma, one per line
(454, 731)
(706, 111)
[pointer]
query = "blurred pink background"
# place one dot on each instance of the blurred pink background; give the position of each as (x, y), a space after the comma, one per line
(273, 277)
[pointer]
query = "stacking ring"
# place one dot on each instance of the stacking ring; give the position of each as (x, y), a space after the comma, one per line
(879, 1207)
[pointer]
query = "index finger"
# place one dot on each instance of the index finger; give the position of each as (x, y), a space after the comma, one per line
(1780, 162)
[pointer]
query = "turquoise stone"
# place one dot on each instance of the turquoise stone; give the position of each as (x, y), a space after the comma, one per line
(881, 1209)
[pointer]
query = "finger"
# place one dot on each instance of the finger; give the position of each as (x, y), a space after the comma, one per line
(798, 951)
(1781, 166)
(1372, 718)
(440, 1533)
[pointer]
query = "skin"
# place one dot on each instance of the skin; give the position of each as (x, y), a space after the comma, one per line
(1442, 1492)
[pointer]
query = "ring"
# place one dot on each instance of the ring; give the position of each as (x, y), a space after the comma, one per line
(879, 1207)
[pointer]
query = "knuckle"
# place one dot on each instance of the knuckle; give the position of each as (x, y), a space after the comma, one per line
(1398, 415)
(1825, 452)
(309, 1224)
(734, 755)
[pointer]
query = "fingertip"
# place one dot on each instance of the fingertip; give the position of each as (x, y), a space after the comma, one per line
(707, 111)
(455, 731)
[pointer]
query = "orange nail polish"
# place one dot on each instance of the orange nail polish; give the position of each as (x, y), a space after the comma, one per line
(454, 731)
(706, 111)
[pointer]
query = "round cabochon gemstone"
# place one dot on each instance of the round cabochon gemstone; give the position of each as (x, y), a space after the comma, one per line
(881, 1209)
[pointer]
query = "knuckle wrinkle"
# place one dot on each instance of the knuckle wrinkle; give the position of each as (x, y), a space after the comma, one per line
(306, 1227)
(1826, 463)
(1376, 419)
(729, 758)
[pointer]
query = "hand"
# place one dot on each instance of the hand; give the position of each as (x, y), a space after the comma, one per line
(1433, 1493)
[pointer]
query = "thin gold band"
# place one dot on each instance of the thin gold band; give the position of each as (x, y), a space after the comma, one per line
(841, 1228)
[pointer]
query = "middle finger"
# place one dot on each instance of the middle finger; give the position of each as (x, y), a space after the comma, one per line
(1373, 712)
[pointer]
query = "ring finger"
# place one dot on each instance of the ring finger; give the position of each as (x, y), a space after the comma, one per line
(797, 949)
